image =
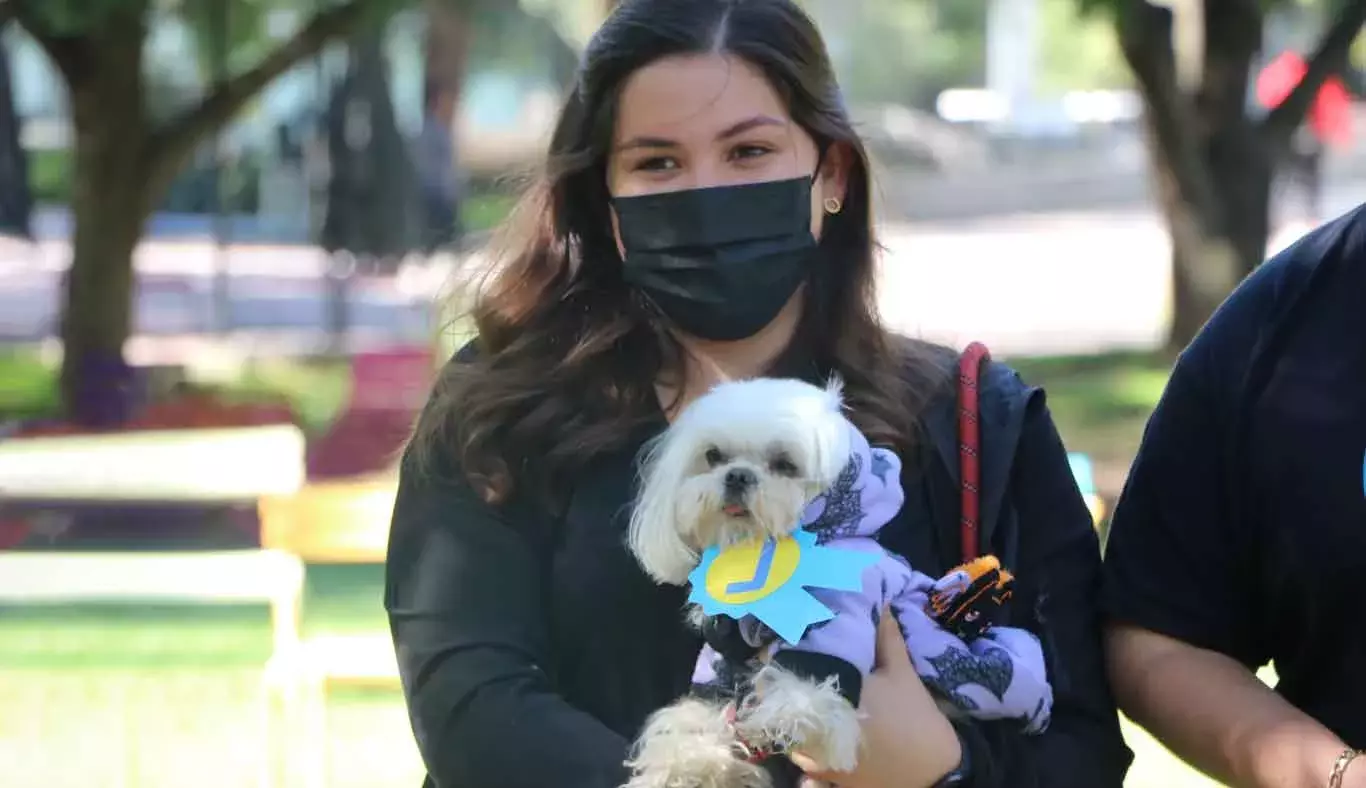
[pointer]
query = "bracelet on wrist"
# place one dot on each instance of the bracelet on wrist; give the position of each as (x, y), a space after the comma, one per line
(1340, 766)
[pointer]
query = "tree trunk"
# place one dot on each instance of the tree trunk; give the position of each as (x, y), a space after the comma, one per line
(1212, 254)
(16, 201)
(446, 49)
(1204, 264)
(110, 202)
(1212, 163)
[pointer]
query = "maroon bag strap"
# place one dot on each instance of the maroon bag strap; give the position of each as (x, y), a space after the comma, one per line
(969, 444)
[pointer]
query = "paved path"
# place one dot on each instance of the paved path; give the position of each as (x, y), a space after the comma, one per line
(1044, 285)
(1029, 285)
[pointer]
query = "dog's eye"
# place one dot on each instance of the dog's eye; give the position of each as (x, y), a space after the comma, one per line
(715, 457)
(783, 466)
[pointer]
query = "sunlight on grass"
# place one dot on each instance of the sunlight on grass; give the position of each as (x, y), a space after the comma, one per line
(162, 696)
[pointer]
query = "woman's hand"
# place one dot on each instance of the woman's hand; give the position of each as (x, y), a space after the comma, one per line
(907, 740)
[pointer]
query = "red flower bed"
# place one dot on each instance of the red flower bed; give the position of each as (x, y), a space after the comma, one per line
(184, 413)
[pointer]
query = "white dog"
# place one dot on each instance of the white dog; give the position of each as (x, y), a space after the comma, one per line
(757, 460)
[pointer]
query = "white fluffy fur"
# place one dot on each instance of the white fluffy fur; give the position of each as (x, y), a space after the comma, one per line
(681, 510)
(794, 713)
(691, 745)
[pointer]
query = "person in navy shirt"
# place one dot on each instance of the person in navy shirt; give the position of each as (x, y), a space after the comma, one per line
(1240, 538)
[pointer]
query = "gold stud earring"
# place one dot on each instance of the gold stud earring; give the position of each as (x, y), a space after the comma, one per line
(833, 205)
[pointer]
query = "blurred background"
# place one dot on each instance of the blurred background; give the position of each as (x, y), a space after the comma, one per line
(226, 230)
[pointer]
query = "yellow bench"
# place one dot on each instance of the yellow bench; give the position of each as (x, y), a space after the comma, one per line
(335, 522)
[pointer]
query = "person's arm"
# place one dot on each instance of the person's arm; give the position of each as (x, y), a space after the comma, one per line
(1182, 581)
(464, 592)
(1057, 582)
(1213, 711)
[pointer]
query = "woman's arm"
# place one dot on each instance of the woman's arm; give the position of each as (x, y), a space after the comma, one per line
(1058, 582)
(464, 592)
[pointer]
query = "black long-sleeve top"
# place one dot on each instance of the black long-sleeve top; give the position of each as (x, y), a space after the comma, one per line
(532, 647)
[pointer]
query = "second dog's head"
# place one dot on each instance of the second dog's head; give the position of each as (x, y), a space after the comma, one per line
(739, 463)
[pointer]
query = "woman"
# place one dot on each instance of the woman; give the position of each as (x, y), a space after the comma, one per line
(1239, 541)
(705, 215)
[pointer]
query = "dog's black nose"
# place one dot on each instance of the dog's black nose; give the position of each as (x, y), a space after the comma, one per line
(740, 479)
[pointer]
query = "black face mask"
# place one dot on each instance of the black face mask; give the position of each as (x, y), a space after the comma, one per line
(719, 262)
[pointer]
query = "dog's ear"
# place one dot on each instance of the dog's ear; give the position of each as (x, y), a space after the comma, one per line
(654, 536)
(834, 393)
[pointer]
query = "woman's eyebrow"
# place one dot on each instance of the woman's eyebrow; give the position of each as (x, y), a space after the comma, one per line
(750, 123)
(646, 142)
(731, 131)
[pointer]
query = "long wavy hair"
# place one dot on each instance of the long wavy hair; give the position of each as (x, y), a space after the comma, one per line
(567, 355)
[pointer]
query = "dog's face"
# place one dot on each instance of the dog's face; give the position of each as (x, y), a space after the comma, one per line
(744, 486)
(740, 463)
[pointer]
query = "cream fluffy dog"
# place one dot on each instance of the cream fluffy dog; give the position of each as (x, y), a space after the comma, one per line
(760, 459)
(740, 464)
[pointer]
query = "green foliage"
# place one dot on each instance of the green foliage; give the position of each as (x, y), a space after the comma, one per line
(77, 17)
(49, 175)
(904, 51)
(1077, 51)
(1112, 7)
(244, 31)
(239, 29)
(908, 51)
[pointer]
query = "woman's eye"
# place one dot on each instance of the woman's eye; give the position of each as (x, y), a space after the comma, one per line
(749, 151)
(657, 164)
(714, 457)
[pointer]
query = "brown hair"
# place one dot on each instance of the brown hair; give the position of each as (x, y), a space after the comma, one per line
(567, 354)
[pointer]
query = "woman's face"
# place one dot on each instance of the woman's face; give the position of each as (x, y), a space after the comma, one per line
(689, 122)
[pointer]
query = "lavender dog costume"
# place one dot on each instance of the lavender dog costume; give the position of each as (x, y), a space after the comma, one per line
(999, 676)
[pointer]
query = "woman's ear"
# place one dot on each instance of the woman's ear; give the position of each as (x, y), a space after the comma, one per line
(834, 174)
(830, 186)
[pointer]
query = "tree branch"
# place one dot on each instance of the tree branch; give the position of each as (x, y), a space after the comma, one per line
(1328, 59)
(65, 51)
(1145, 36)
(172, 144)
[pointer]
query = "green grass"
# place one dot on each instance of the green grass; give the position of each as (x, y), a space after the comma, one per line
(315, 390)
(486, 211)
(1101, 404)
(162, 697)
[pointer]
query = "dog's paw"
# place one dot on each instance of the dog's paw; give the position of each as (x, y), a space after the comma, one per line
(691, 745)
(792, 713)
(835, 746)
